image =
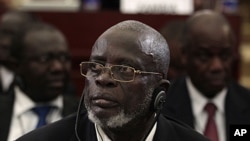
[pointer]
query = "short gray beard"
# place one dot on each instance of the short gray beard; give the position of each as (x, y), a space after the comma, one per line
(121, 118)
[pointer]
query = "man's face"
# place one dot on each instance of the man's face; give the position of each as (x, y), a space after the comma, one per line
(6, 35)
(111, 103)
(45, 66)
(209, 58)
(10, 25)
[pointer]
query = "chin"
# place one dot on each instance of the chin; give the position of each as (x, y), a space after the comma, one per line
(116, 121)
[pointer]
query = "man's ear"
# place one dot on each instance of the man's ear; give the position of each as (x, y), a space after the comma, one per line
(159, 95)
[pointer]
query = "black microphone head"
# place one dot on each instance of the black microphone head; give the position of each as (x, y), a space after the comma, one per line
(159, 100)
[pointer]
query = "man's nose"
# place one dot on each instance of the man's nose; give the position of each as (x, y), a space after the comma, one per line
(56, 64)
(105, 78)
(216, 64)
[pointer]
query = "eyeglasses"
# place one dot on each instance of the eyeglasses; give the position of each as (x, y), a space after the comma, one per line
(46, 58)
(119, 73)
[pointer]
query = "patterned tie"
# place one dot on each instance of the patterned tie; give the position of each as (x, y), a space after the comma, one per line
(42, 112)
(211, 129)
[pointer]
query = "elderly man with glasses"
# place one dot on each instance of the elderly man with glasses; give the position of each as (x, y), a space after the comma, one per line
(126, 84)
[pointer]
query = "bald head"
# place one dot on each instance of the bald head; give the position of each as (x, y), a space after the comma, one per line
(16, 19)
(208, 21)
(151, 41)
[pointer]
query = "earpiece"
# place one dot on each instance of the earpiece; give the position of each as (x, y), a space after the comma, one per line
(159, 98)
(159, 101)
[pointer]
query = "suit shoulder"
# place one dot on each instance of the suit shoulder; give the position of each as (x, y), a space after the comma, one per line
(181, 130)
(239, 92)
(61, 130)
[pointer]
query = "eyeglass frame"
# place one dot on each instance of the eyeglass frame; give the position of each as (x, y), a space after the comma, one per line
(109, 67)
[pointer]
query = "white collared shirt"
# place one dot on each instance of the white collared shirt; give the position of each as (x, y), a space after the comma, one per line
(101, 136)
(24, 119)
(7, 77)
(198, 102)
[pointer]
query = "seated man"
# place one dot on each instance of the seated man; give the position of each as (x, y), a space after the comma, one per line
(126, 82)
(11, 23)
(207, 98)
(42, 68)
(172, 32)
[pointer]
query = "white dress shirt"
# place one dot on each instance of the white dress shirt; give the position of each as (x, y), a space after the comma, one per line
(24, 119)
(7, 77)
(101, 136)
(198, 102)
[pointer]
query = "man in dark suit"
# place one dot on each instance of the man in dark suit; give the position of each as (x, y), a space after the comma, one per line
(125, 86)
(43, 65)
(172, 32)
(11, 23)
(208, 53)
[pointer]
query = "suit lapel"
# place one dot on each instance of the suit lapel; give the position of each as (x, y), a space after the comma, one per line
(164, 131)
(6, 108)
(178, 102)
(86, 129)
(70, 105)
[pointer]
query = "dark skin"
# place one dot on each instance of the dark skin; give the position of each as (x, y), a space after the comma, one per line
(11, 23)
(45, 66)
(106, 97)
(209, 55)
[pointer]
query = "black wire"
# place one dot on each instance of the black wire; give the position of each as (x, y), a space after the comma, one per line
(78, 117)
(149, 130)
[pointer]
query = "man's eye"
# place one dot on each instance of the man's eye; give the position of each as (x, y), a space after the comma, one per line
(43, 59)
(95, 67)
(125, 69)
(203, 56)
(226, 55)
(64, 58)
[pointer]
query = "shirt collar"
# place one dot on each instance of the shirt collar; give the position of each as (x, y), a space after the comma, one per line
(7, 77)
(23, 103)
(199, 101)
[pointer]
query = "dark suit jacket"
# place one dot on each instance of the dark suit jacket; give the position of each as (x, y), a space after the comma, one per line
(237, 104)
(64, 130)
(70, 105)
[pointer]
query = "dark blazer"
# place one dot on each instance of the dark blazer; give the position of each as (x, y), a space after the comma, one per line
(237, 104)
(64, 130)
(70, 105)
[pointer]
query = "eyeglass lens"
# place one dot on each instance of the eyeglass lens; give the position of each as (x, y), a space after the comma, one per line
(118, 72)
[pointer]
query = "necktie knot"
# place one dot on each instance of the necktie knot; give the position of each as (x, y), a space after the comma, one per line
(210, 108)
(42, 112)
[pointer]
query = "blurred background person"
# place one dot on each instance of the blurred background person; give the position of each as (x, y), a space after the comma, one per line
(208, 99)
(5, 4)
(42, 67)
(11, 23)
(172, 32)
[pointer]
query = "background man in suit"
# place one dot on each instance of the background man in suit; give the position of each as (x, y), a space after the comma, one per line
(10, 24)
(42, 68)
(208, 53)
(126, 81)
(172, 32)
